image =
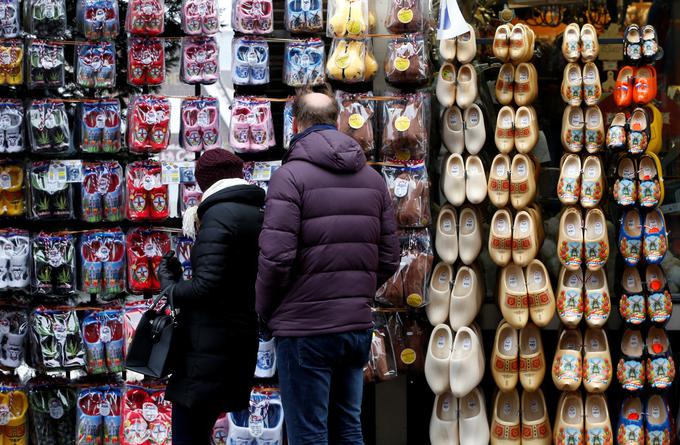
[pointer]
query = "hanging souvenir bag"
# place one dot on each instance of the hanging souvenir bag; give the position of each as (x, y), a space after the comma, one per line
(147, 196)
(200, 17)
(14, 262)
(102, 262)
(148, 124)
(52, 411)
(252, 128)
(357, 113)
(406, 16)
(102, 333)
(100, 126)
(304, 16)
(56, 343)
(409, 188)
(250, 61)
(405, 134)
(96, 65)
(11, 126)
(146, 61)
(304, 63)
(97, 19)
(45, 65)
(9, 24)
(12, 199)
(145, 17)
(351, 61)
(102, 194)
(253, 16)
(349, 18)
(407, 60)
(48, 198)
(200, 125)
(48, 127)
(54, 263)
(200, 60)
(14, 325)
(45, 18)
(98, 418)
(145, 250)
(11, 62)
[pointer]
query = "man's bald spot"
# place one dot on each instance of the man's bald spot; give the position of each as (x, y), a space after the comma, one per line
(314, 108)
(317, 101)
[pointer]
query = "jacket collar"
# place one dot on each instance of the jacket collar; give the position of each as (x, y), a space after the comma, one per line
(312, 129)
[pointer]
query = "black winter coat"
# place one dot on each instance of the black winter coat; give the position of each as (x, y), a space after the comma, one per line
(215, 345)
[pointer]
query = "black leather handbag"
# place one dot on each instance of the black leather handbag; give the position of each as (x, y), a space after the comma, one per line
(149, 351)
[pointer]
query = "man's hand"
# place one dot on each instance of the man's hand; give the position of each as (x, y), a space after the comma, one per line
(169, 271)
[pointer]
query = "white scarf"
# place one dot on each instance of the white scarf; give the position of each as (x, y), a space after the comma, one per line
(190, 219)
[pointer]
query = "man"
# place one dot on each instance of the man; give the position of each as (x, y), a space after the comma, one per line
(328, 242)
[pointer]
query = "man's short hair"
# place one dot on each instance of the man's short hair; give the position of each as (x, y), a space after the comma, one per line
(307, 115)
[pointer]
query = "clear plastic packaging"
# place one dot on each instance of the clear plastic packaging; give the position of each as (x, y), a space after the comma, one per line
(100, 126)
(13, 337)
(146, 61)
(12, 62)
(148, 128)
(45, 65)
(103, 339)
(408, 286)
(252, 127)
(98, 418)
(52, 410)
(11, 126)
(98, 19)
(145, 250)
(407, 60)
(102, 262)
(182, 246)
(145, 17)
(304, 16)
(356, 119)
(351, 61)
(349, 18)
(200, 124)
(56, 343)
(381, 365)
(102, 195)
(145, 413)
(200, 17)
(45, 18)
(253, 16)
(250, 61)
(409, 188)
(15, 262)
(96, 65)
(406, 124)
(190, 195)
(11, 26)
(12, 188)
(48, 127)
(147, 196)
(49, 197)
(54, 263)
(406, 16)
(409, 337)
(289, 126)
(200, 60)
(304, 63)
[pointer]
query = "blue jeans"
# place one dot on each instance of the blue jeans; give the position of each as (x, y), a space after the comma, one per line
(322, 385)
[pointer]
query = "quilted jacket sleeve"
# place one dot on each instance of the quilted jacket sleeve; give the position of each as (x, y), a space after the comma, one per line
(278, 242)
(210, 258)
(389, 250)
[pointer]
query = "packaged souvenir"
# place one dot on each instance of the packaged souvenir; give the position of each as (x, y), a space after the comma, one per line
(15, 413)
(56, 343)
(145, 17)
(11, 126)
(304, 16)
(190, 194)
(406, 16)
(45, 18)
(96, 64)
(200, 62)
(200, 124)
(266, 355)
(147, 196)
(48, 127)
(252, 128)
(260, 173)
(54, 263)
(407, 60)
(289, 127)
(409, 189)
(11, 62)
(52, 410)
(200, 17)
(45, 65)
(148, 124)
(304, 63)
(146, 416)
(9, 21)
(14, 261)
(146, 61)
(13, 337)
(409, 337)
(102, 333)
(102, 262)
(381, 365)
(351, 61)
(263, 421)
(100, 126)
(98, 418)
(406, 123)
(356, 117)
(145, 249)
(182, 246)
(349, 18)
(102, 197)
(408, 286)
(48, 196)
(253, 16)
(250, 59)
(12, 192)
(132, 315)
(97, 19)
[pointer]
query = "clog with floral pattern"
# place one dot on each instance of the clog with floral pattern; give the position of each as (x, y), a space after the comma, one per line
(659, 302)
(660, 363)
(567, 371)
(592, 182)
(658, 421)
(631, 428)
(630, 371)
(596, 240)
(632, 302)
(655, 242)
(630, 237)
(651, 182)
(625, 188)
(616, 133)
(597, 361)
(639, 131)
(569, 183)
(597, 302)
(570, 297)
(570, 238)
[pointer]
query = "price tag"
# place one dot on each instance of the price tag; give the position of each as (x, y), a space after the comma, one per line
(573, 280)
(447, 225)
(408, 356)
(533, 344)
(446, 405)
(571, 229)
(443, 277)
(598, 228)
(534, 406)
(400, 188)
(74, 170)
(467, 344)
(501, 225)
(356, 121)
(402, 64)
(405, 15)
(507, 408)
(571, 412)
(5, 181)
(522, 169)
(469, 223)
(538, 278)
(576, 120)
(467, 281)
(56, 409)
(169, 174)
(473, 117)
(524, 226)
(596, 411)
(634, 342)
(262, 171)
(512, 280)
(441, 342)
(507, 344)
(500, 170)
(57, 173)
(4, 414)
(455, 169)
(523, 76)
(402, 123)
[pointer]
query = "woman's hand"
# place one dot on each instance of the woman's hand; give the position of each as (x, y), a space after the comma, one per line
(169, 271)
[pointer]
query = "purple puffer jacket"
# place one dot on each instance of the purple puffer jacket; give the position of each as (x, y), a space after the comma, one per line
(328, 239)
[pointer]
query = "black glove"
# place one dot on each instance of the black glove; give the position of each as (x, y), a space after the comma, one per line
(169, 271)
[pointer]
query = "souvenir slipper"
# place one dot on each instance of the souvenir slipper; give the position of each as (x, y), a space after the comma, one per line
(304, 16)
(630, 237)
(632, 303)
(19, 259)
(11, 126)
(96, 65)
(98, 20)
(651, 182)
(112, 337)
(570, 297)
(304, 63)
(616, 133)
(630, 370)
(45, 18)
(625, 188)
(659, 302)
(145, 17)
(11, 62)
(146, 61)
(48, 127)
(638, 132)
(95, 352)
(10, 23)
(200, 17)
(655, 241)
(89, 420)
(567, 364)
(660, 365)
(200, 61)
(597, 302)
(148, 124)
(266, 359)
(200, 124)
(112, 418)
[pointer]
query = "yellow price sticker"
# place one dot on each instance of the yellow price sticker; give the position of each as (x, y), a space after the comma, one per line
(401, 64)
(342, 61)
(414, 300)
(408, 356)
(402, 123)
(356, 121)
(405, 15)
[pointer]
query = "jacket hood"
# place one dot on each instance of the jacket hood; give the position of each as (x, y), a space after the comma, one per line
(243, 194)
(327, 148)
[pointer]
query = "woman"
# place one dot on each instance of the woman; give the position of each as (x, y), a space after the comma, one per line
(216, 342)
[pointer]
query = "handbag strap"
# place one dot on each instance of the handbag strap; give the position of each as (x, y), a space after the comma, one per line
(168, 293)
